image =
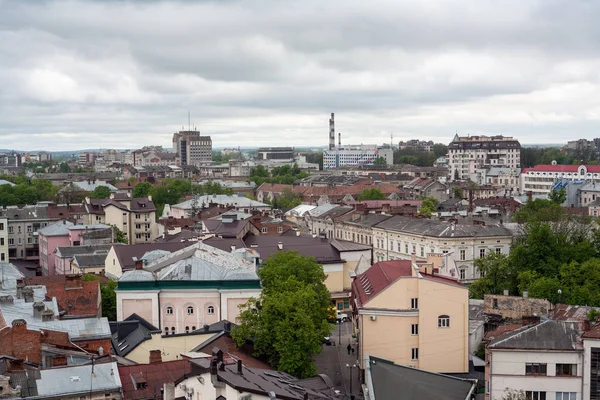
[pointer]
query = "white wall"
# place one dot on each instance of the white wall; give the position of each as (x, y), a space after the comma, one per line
(507, 370)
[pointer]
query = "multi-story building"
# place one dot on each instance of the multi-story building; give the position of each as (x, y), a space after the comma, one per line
(416, 145)
(65, 233)
(154, 158)
(398, 238)
(355, 155)
(135, 217)
(3, 240)
(591, 364)
(411, 315)
(542, 178)
(500, 178)
(467, 154)
(275, 153)
(184, 290)
(192, 149)
(10, 159)
(538, 362)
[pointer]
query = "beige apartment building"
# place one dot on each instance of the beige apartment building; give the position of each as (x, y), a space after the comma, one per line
(408, 313)
(135, 217)
(398, 237)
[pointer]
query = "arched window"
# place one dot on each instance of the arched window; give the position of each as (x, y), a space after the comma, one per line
(190, 310)
(193, 328)
(443, 321)
(169, 310)
(187, 329)
(210, 310)
(166, 330)
(172, 330)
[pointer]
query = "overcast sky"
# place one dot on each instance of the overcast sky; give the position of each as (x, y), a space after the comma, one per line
(123, 74)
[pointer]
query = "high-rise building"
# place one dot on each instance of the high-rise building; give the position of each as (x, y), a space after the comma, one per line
(192, 148)
(467, 154)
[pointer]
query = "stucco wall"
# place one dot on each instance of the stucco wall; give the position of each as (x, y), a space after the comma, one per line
(142, 307)
(170, 346)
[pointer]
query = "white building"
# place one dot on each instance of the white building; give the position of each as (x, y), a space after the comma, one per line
(344, 156)
(591, 364)
(398, 237)
(541, 178)
(3, 240)
(467, 154)
(544, 361)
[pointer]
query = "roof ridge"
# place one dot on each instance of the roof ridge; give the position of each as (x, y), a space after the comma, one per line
(512, 334)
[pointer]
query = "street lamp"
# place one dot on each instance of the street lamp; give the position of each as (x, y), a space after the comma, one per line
(350, 368)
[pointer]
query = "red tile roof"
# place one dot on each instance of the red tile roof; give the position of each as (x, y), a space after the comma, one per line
(561, 168)
(381, 203)
(377, 278)
(501, 330)
(74, 296)
(153, 376)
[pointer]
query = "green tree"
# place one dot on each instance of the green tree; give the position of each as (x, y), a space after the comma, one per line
(287, 200)
(100, 192)
(558, 196)
(371, 194)
(458, 192)
(120, 236)
(496, 274)
(142, 189)
(380, 161)
(109, 296)
(288, 322)
(428, 206)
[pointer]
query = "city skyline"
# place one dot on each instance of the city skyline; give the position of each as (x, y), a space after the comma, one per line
(89, 74)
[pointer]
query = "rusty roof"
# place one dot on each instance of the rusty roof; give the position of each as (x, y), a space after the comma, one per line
(152, 376)
(74, 296)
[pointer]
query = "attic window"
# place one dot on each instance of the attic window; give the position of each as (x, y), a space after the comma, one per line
(141, 385)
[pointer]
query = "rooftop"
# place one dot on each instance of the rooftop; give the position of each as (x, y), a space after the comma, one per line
(74, 296)
(547, 335)
(129, 333)
(320, 249)
(70, 381)
(229, 200)
(428, 227)
(60, 228)
(151, 377)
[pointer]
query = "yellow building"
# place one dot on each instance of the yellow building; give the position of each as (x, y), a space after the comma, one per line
(407, 313)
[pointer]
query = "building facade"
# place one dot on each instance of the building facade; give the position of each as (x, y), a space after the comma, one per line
(192, 149)
(467, 154)
(412, 316)
(275, 153)
(541, 178)
(3, 240)
(355, 155)
(398, 238)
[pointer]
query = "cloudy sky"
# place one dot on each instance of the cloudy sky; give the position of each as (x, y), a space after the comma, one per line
(123, 74)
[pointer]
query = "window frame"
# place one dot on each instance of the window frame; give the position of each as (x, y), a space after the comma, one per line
(169, 310)
(208, 310)
(190, 310)
(414, 354)
(535, 369)
(443, 321)
(414, 329)
(571, 368)
(414, 303)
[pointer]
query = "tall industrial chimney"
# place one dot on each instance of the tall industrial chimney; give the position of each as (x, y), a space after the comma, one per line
(339, 139)
(331, 133)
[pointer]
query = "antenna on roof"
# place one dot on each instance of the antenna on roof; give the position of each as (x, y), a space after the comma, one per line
(189, 123)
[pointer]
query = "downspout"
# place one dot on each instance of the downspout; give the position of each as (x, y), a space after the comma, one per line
(470, 394)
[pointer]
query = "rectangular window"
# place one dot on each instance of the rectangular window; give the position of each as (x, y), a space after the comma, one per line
(346, 304)
(566, 369)
(20, 241)
(29, 228)
(138, 226)
(535, 369)
(10, 229)
(481, 253)
(406, 248)
(414, 329)
(529, 395)
(498, 250)
(566, 396)
(463, 255)
(414, 303)
(422, 251)
(463, 273)
(414, 353)
(11, 241)
(2, 257)
(264, 230)
(1, 226)
(1, 241)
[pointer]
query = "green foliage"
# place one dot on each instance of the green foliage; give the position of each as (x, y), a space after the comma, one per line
(420, 158)
(288, 322)
(380, 161)
(219, 158)
(458, 192)
(100, 192)
(142, 189)
(109, 296)
(371, 194)
(497, 275)
(315, 157)
(26, 191)
(288, 199)
(428, 206)
(286, 174)
(169, 193)
(592, 315)
(539, 210)
(210, 187)
(120, 235)
(558, 196)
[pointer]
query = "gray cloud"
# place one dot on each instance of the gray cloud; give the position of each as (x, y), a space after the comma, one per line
(123, 74)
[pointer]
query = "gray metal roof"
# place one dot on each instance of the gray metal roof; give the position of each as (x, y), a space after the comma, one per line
(90, 260)
(388, 380)
(428, 227)
(547, 335)
(137, 275)
(72, 380)
(91, 185)
(323, 208)
(70, 251)
(233, 200)
(37, 212)
(203, 262)
(60, 228)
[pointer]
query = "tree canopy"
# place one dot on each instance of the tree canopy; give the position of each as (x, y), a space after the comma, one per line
(109, 296)
(428, 206)
(100, 192)
(25, 191)
(371, 194)
(286, 174)
(288, 322)
(288, 199)
(142, 189)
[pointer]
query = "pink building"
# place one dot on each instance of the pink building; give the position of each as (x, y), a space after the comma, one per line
(185, 290)
(64, 233)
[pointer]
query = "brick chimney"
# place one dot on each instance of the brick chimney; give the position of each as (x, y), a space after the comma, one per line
(20, 286)
(139, 264)
(155, 356)
(73, 281)
(38, 309)
(28, 294)
(47, 315)
(19, 325)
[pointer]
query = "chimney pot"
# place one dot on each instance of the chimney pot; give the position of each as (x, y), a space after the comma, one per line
(506, 292)
(38, 308)
(240, 367)
(28, 294)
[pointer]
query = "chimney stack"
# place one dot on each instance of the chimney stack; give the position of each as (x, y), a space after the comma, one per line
(47, 315)
(280, 245)
(155, 356)
(28, 294)
(139, 264)
(20, 286)
(331, 132)
(38, 308)
(240, 367)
